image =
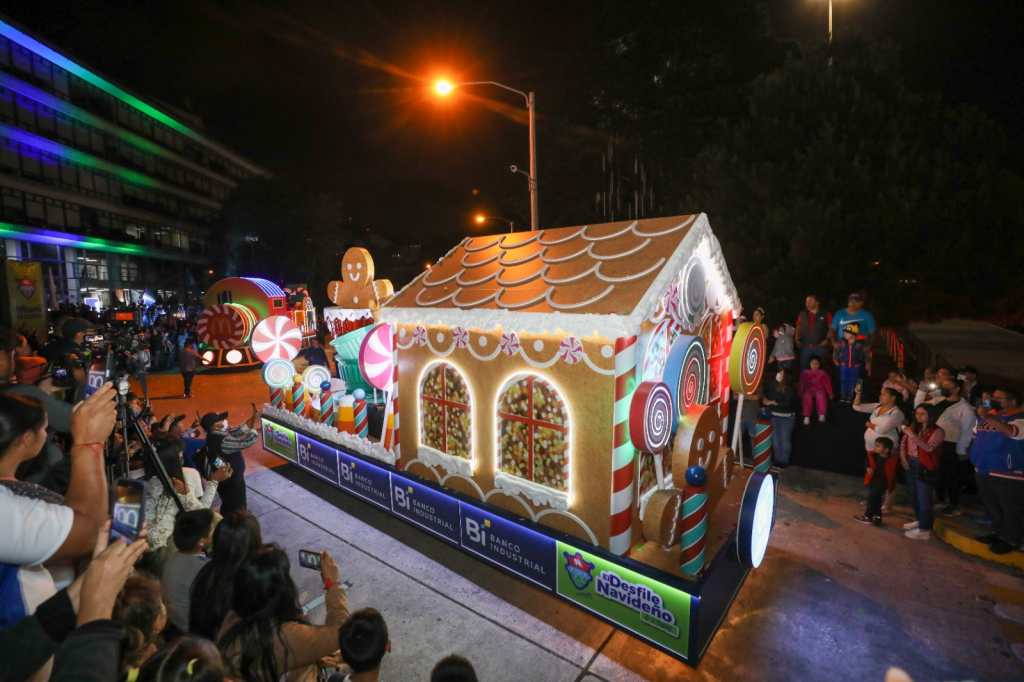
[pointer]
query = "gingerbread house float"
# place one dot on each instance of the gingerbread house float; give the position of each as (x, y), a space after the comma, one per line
(532, 370)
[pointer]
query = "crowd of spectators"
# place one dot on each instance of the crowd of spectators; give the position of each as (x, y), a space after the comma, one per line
(949, 435)
(197, 596)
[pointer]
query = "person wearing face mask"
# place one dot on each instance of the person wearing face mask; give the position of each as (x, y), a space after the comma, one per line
(956, 417)
(998, 449)
(228, 445)
(781, 399)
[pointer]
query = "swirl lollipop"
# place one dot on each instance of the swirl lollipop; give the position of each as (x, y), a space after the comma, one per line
(650, 417)
(276, 337)
(747, 358)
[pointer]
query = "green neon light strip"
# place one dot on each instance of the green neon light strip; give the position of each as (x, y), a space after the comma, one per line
(75, 156)
(42, 236)
(33, 45)
(68, 109)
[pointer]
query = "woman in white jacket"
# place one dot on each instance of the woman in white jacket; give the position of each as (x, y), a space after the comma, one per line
(885, 419)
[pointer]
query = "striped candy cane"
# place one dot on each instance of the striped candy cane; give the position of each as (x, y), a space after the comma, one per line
(276, 396)
(394, 397)
(620, 529)
(326, 403)
(694, 522)
(314, 404)
(761, 444)
(362, 420)
(298, 397)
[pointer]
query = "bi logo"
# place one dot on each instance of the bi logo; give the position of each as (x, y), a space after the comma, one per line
(403, 497)
(346, 471)
(474, 531)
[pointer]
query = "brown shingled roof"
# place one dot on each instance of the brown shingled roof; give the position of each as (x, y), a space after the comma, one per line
(597, 269)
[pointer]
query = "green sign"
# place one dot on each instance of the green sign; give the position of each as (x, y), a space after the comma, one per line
(646, 607)
(280, 440)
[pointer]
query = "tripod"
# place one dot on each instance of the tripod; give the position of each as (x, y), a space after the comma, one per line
(149, 455)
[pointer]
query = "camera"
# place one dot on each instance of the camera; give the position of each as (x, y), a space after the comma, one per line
(513, 168)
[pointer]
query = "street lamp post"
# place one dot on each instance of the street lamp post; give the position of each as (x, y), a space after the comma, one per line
(828, 39)
(444, 88)
(481, 218)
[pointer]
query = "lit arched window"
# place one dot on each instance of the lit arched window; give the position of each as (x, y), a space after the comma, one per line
(533, 432)
(444, 411)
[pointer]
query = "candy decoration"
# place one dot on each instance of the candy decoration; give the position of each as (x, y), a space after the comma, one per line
(225, 326)
(362, 419)
(314, 376)
(276, 396)
(623, 453)
(278, 373)
(326, 403)
(693, 298)
(693, 522)
(419, 336)
(697, 441)
(394, 399)
(509, 343)
(346, 420)
(761, 444)
(298, 396)
(686, 373)
(461, 337)
(661, 517)
(276, 337)
(376, 358)
(650, 417)
(747, 358)
(570, 350)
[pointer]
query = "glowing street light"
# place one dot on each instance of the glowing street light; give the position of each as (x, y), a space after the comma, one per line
(444, 87)
(481, 218)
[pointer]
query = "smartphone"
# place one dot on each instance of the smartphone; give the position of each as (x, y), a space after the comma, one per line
(987, 404)
(218, 463)
(127, 516)
(309, 559)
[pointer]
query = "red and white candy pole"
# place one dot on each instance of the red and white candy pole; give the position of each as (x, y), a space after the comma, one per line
(276, 396)
(362, 419)
(694, 522)
(620, 528)
(394, 398)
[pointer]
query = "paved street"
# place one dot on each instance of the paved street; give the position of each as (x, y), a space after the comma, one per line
(834, 599)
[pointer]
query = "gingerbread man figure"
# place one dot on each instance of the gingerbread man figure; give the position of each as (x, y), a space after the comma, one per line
(357, 289)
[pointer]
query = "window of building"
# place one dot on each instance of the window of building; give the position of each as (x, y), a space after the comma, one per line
(9, 157)
(14, 205)
(22, 59)
(30, 162)
(34, 207)
(5, 51)
(6, 104)
(533, 432)
(445, 411)
(26, 112)
(60, 81)
(54, 213)
(65, 131)
(129, 271)
(51, 168)
(41, 69)
(68, 175)
(72, 216)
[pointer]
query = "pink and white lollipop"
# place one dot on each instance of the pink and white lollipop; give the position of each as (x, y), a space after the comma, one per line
(276, 337)
(375, 357)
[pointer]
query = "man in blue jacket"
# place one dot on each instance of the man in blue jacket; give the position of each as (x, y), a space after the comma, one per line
(998, 456)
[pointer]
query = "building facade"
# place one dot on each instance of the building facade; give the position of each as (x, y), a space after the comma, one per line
(115, 196)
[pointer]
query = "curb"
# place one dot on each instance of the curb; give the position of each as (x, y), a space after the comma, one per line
(968, 545)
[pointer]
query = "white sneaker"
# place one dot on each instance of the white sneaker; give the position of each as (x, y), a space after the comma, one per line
(807, 421)
(821, 418)
(911, 525)
(918, 534)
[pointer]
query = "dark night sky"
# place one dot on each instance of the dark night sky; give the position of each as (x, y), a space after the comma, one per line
(326, 93)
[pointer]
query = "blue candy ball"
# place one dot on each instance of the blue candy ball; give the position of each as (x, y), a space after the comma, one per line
(696, 475)
(359, 394)
(325, 386)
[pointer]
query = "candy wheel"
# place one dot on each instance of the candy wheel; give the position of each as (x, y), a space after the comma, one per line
(747, 358)
(376, 362)
(650, 416)
(278, 373)
(222, 327)
(276, 337)
(314, 376)
(697, 441)
(686, 374)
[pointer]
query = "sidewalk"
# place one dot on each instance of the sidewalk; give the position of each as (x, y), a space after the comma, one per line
(960, 532)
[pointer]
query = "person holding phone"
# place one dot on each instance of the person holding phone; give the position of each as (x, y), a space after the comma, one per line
(997, 452)
(227, 444)
(266, 635)
(39, 527)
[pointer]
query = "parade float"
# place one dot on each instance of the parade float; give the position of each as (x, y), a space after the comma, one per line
(234, 306)
(555, 402)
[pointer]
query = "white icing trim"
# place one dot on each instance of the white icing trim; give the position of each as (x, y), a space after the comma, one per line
(561, 259)
(539, 495)
(462, 282)
(582, 524)
(532, 239)
(523, 280)
(552, 242)
(627, 228)
(629, 278)
(494, 239)
(573, 278)
(486, 261)
(437, 479)
(434, 302)
(449, 463)
(572, 306)
(332, 435)
(428, 283)
(522, 304)
(470, 304)
(348, 314)
(527, 511)
(670, 230)
(519, 261)
(582, 325)
(627, 252)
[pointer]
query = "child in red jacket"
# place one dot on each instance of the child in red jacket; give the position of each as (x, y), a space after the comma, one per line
(815, 390)
(881, 470)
